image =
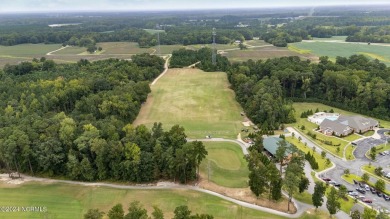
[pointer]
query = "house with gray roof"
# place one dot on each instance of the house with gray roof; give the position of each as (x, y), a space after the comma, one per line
(358, 123)
(345, 125)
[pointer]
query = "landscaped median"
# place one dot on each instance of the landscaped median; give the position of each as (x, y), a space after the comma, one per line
(301, 146)
(346, 204)
(350, 177)
(370, 169)
(349, 152)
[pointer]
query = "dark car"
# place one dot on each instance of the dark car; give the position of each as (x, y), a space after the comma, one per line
(386, 197)
(361, 190)
(327, 179)
(337, 184)
(379, 194)
(367, 200)
(373, 191)
(354, 182)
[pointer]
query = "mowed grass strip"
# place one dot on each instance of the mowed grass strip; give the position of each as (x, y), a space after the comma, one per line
(301, 146)
(72, 201)
(201, 102)
(227, 165)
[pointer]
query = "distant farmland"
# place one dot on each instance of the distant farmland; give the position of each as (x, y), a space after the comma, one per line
(344, 49)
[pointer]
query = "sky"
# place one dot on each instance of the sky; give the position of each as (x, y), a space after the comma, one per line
(131, 5)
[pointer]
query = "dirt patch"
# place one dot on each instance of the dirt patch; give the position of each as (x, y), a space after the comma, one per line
(5, 179)
(246, 195)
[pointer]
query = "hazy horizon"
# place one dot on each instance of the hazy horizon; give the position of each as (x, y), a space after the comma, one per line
(163, 5)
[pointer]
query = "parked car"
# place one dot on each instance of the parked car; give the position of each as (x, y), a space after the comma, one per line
(381, 153)
(353, 193)
(361, 197)
(367, 200)
(367, 187)
(326, 179)
(379, 194)
(361, 190)
(337, 184)
(355, 182)
(332, 182)
(386, 197)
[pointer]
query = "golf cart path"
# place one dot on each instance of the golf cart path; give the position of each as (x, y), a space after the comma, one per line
(301, 207)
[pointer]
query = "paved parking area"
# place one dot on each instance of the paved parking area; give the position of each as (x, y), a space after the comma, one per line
(364, 145)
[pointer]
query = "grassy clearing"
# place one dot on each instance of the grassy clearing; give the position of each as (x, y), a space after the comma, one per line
(352, 137)
(349, 152)
(304, 197)
(123, 48)
(256, 43)
(298, 50)
(228, 167)
(334, 49)
(71, 201)
(369, 133)
(201, 102)
(28, 50)
(263, 53)
(321, 162)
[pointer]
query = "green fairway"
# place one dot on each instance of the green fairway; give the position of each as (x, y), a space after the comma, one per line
(227, 165)
(201, 102)
(334, 49)
(72, 201)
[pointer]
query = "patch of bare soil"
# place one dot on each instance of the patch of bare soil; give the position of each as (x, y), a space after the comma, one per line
(246, 195)
(5, 179)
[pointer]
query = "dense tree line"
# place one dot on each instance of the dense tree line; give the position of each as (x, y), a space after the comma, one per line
(75, 120)
(281, 37)
(137, 211)
(371, 34)
(183, 58)
(354, 84)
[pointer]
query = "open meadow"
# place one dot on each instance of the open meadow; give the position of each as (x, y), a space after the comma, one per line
(72, 201)
(226, 164)
(265, 52)
(344, 49)
(201, 102)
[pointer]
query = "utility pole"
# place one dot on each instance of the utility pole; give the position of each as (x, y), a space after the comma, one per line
(214, 55)
(158, 41)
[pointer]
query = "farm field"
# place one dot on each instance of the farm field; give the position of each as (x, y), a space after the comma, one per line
(344, 49)
(266, 52)
(256, 43)
(217, 46)
(201, 102)
(228, 167)
(24, 52)
(72, 201)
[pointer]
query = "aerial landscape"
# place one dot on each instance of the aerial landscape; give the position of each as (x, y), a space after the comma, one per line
(194, 110)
